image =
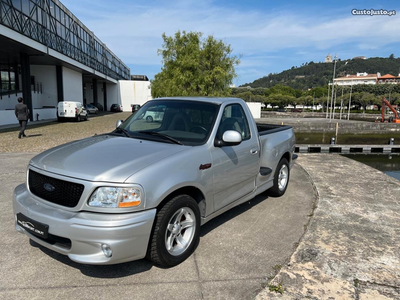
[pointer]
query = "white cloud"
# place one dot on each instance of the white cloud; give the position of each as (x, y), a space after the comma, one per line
(133, 32)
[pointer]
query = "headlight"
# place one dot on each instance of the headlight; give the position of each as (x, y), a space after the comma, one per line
(116, 197)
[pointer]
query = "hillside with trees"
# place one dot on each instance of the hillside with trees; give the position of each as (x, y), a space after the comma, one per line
(310, 75)
(362, 95)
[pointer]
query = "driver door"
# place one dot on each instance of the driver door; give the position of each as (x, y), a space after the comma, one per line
(235, 167)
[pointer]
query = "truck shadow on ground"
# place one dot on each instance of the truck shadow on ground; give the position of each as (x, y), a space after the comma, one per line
(143, 265)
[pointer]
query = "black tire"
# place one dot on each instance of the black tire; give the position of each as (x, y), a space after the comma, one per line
(78, 118)
(149, 119)
(86, 117)
(163, 234)
(280, 186)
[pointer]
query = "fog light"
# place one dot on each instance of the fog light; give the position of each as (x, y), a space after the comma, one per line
(106, 250)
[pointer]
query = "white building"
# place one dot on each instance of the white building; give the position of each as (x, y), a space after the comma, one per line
(359, 78)
(328, 58)
(135, 91)
(47, 55)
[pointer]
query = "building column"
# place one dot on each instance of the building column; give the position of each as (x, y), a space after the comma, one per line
(105, 95)
(26, 83)
(60, 86)
(84, 91)
(94, 84)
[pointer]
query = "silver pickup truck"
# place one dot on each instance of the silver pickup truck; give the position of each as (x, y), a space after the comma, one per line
(145, 189)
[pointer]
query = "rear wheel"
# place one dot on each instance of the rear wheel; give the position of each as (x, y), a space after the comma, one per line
(281, 179)
(149, 119)
(176, 232)
(78, 118)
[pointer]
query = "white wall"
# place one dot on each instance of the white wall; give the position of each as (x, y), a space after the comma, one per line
(255, 109)
(7, 117)
(133, 92)
(72, 85)
(9, 101)
(45, 76)
(112, 94)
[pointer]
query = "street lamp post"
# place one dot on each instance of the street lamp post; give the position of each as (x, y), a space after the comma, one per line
(333, 87)
(327, 101)
(351, 89)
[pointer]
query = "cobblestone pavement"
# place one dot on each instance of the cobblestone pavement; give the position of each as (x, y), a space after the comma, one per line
(43, 136)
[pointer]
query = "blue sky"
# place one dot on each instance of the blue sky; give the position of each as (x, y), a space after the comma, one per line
(270, 36)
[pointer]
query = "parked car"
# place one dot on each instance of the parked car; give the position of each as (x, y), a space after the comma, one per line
(160, 182)
(155, 114)
(116, 107)
(281, 110)
(98, 105)
(296, 110)
(91, 109)
(135, 107)
(71, 110)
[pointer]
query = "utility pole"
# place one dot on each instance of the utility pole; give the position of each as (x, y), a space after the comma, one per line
(351, 89)
(334, 105)
(341, 105)
(313, 102)
(333, 87)
(327, 101)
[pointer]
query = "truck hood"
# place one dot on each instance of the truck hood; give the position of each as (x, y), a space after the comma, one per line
(104, 157)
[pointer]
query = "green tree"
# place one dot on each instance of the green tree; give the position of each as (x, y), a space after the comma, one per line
(193, 66)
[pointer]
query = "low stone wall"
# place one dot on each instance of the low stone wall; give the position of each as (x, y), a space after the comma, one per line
(353, 116)
(323, 125)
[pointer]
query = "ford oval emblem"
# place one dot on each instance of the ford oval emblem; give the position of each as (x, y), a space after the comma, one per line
(48, 187)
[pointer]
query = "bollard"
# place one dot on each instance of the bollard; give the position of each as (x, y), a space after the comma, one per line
(391, 141)
(333, 140)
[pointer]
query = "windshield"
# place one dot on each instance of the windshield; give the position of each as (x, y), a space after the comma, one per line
(173, 121)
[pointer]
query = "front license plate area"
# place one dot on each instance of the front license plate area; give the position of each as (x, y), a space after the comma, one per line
(32, 226)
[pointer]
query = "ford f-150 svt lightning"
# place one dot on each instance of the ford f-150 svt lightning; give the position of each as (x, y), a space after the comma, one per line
(154, 183)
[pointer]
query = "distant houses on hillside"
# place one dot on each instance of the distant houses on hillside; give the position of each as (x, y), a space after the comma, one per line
(365, 78)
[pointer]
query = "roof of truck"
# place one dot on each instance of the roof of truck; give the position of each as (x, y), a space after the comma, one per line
(215, 100)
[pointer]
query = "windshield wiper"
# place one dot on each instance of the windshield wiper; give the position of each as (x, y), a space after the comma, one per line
(124, 131)
(162, 135)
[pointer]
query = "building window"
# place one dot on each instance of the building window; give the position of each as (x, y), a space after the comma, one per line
(8, 81)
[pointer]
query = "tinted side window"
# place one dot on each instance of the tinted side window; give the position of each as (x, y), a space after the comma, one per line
(234, 118)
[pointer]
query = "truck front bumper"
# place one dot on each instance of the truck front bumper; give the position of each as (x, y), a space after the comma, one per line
(86, 237)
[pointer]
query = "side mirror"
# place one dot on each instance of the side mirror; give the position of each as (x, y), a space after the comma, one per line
(229, 138)
(119, 122)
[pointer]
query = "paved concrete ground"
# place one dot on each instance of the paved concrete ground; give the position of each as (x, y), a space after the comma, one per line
(351, 249)
(238, 251)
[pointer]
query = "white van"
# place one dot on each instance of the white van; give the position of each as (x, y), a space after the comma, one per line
(73, 110)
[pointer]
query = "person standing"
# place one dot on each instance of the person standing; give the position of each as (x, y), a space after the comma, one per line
(22, 114)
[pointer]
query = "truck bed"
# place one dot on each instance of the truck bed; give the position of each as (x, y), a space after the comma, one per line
(264, 129)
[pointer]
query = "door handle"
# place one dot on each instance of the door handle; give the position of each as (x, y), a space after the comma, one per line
(254, 151)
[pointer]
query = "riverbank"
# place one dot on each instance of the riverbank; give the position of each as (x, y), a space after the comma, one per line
(351, 247)
(321, 130)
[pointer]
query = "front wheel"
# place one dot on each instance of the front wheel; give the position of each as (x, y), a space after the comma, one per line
(281, 179)
(176, 232)
(149, 119)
